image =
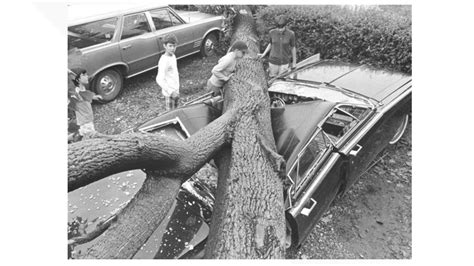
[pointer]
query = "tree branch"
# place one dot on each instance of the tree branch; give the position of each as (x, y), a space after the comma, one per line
(137, 221)
(94, 159)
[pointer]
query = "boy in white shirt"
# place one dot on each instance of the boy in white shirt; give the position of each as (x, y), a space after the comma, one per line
(168, 77)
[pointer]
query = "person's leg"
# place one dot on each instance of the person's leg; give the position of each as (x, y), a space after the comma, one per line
(87, 130)
(215, 90)
(167, 103)
(273, 70)
(175, 102)
(283, 68)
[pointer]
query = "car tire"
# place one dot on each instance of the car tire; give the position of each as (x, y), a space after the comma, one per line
(108, 84)
(400, 129)
(208, 45)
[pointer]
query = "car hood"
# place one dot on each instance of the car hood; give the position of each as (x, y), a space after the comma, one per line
(365, 80)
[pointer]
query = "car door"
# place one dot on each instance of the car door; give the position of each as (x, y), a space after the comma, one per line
(166, 22)
(97, 41)
(138, 44)
(317, 178)
(372, 143)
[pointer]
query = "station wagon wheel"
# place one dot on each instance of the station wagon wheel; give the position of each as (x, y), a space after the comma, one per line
(208, 44)
(400, 129)
(108, 84)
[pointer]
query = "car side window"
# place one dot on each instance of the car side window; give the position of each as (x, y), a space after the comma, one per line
(343, 119)
(92, 33)
(175, 20)
(161, 18)
(135, 25)
(308, 157)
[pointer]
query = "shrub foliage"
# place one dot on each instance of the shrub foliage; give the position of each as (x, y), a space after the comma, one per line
(374, 35)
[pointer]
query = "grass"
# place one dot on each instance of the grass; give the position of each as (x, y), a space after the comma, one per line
(141, 98)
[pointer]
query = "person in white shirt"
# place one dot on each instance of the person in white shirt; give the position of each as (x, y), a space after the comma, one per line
(225, 68)
(168, 76)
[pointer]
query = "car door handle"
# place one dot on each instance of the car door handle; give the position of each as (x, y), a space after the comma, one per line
(126, 47)
(307, 211)
(355, 150)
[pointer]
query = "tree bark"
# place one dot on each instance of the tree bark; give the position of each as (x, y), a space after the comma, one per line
(94, 159)
(171, 162)
(248, 219)
(137, 221)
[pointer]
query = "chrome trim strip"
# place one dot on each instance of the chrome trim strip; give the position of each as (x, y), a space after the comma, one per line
(188, 54)
(345, 74)
(167, 122)
(97, 47)
(211, 30)
(143, 71)
(348, 133)
(299, 205)
(378, 115)
(349, 114)
(153, 67)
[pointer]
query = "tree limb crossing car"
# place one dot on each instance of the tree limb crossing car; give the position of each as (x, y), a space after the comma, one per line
(330, 120)
(124, 40)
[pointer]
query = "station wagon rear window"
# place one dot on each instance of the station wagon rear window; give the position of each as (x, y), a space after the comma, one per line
(135, 25)
(92, 33)
(163, 19)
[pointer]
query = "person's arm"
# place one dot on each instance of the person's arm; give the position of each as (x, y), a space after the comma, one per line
(97, 97)
(269, 46)
(220, 67)
(160, 77)
(293, 52)
(293, 49)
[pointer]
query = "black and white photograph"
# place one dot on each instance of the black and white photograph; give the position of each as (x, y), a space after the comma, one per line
(239, 132)
(233, 130)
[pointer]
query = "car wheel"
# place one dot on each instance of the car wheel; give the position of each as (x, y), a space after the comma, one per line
(400, 129)
(108, 84)
(208, 45)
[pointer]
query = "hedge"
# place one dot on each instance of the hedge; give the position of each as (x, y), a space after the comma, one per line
(372, 36)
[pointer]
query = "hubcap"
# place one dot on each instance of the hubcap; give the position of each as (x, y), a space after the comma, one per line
(209, 45)
(107, 84)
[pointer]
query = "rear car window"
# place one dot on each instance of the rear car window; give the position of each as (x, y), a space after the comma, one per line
(135, 25)
(91, 33)
(162, 19)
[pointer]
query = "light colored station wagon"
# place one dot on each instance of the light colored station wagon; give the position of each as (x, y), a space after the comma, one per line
(123, 40)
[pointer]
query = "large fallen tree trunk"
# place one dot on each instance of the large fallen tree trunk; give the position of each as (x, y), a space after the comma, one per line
(169, 163)
(94, 159)
(248, 221)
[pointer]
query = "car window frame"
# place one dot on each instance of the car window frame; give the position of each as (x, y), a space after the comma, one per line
(339, 141)
(115, 37)
(299, 184)
(170, 13)
(122, 26)
(297, 188)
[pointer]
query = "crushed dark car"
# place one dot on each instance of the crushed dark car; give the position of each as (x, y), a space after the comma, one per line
(330, 120)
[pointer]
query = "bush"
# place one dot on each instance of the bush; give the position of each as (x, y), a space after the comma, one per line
(379, 36)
